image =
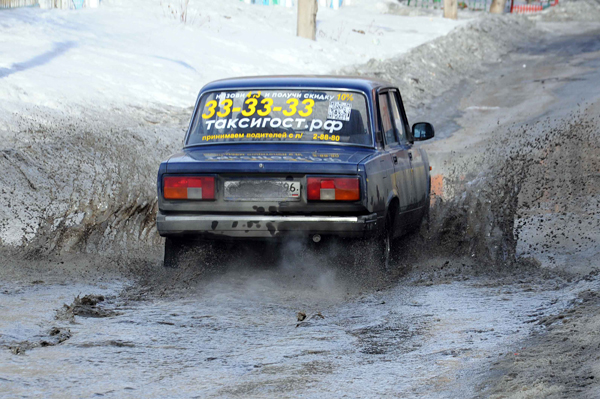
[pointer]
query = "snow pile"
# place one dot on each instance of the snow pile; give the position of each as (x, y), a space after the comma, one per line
(574, 10)
(432, 68)
(84, 182)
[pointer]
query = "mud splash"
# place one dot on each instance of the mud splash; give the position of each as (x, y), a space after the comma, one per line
(83, 183)
(532, 175)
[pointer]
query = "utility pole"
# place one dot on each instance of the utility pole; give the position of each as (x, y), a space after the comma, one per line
(307, 19)
(498, 6)
(451, 9)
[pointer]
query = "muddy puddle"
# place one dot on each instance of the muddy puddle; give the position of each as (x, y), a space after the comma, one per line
(237, 334)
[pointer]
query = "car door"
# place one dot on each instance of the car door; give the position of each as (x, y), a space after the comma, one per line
(420, 177)
(401, 178)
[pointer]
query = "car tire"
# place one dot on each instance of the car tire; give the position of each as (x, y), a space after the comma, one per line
(175, 248)
(383, 244)
(189, 252)
(425, 217)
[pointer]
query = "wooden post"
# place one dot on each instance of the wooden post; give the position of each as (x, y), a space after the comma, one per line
(498, 6)
(451, 9)
(307, 19)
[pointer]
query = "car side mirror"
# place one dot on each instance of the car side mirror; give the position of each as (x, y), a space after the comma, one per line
(423, 131)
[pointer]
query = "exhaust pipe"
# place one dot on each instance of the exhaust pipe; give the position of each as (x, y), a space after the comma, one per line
(316, 238)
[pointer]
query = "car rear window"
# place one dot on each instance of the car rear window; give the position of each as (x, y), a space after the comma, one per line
(249, 116)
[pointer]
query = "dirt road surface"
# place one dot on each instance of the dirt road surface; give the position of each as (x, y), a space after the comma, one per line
(447, 323)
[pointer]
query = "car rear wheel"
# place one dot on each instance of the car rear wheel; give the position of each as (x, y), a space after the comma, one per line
(383, 244)
(197, 253)
(175, 249)
(425, 218)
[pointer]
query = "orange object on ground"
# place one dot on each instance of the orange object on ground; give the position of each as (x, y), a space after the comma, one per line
(437, 185)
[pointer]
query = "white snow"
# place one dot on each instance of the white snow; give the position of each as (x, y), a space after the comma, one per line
(137, 52)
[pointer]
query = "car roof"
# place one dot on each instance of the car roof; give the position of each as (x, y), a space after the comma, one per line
(309, 81)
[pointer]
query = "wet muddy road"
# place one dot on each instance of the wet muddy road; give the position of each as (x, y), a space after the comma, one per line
(237, 334)
(440, 325)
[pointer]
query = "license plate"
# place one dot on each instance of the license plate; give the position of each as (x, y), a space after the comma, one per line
(262, 190)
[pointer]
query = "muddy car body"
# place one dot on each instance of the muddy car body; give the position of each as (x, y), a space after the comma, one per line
(271, 157)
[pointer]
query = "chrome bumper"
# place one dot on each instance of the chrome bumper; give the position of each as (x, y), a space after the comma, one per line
(250, 226)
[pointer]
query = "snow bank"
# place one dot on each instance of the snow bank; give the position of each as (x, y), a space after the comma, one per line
(84, 181)
(574, 10)
(138, 52)
(432, 68)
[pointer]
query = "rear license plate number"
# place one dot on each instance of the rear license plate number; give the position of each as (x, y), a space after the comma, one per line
(262, 190)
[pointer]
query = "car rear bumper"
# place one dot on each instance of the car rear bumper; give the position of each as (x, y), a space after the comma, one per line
(264, 226)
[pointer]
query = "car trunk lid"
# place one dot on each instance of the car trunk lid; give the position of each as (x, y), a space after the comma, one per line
(268, 159)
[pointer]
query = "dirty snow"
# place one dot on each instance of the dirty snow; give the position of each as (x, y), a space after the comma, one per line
(573, 10)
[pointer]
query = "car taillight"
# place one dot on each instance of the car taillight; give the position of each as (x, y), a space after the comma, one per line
(333, 189)
(189, 187)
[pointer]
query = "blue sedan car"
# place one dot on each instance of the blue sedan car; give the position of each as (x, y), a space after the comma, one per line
(295, 156)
